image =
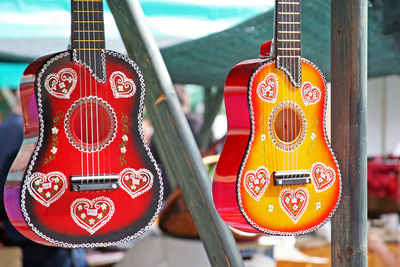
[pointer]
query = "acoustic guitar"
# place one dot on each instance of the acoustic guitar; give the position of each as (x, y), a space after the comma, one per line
(84, 176)
(277, 173)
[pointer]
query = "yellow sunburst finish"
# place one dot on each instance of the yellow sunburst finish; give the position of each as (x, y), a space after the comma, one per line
(291, 209)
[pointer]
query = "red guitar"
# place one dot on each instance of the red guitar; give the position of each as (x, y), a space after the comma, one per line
(84, 176)
(277, 173)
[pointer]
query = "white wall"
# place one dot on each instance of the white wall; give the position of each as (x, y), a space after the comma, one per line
(383, 131)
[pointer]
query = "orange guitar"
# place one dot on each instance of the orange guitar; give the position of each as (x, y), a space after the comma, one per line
(277, 173)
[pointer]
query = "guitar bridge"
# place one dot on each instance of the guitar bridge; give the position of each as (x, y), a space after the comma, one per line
(94, 182)
(292, 177)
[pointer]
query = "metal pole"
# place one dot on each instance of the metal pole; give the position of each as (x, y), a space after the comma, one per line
(349, 117)
(176, 140)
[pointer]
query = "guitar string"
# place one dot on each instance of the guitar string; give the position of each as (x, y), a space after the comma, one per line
(273, 126)
(95, 117)
(89, 102)
(289, 88)
(288, 106)
(286, 110)
(273, 130)
(289, 91)
(108, 157)
(91, 126)
(82, 52)
(296, 89)
(96, 89)
(106, 154)
(281, 7)
(279, 53)
(87, 61)
(292, 65)
(293, 61)
(285, 113)
(78, 54)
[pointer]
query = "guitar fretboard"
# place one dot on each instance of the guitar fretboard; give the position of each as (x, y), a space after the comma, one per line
(87, 28)
(288, 39)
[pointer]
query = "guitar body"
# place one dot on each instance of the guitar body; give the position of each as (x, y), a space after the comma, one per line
(238, 133)
(84, 176)
(277, 173)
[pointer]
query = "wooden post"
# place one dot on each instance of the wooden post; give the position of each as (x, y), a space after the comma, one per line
(176, 144)
(349, 100)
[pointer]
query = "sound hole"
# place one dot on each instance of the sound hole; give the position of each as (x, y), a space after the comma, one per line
(287, 126)
(90, 124)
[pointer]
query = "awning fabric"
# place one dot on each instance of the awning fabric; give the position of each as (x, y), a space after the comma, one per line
(208, 59)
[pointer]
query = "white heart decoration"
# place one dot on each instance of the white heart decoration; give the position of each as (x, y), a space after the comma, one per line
(121, 85)
(62, 83)
(47, 188)
(294, 202)
(93, 214)
(256, 182)
(311, 95)
(135, 182)
(322, 176)
(267, 90)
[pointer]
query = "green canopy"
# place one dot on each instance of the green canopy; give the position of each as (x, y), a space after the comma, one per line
(32, 28)
(208, 60)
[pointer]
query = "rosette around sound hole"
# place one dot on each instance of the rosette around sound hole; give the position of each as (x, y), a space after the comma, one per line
(90, 124)
(287, 126)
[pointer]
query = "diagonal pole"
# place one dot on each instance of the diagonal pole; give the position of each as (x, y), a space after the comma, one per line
(349, 118)
(176, 143)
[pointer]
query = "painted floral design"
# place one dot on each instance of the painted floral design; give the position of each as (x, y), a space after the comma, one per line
(122, 145)
(54, 137)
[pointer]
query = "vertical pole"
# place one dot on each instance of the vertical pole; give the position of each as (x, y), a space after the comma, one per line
(349, 102)
(177, 146)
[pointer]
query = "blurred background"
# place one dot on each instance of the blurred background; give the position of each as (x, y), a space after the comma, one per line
(200, 42)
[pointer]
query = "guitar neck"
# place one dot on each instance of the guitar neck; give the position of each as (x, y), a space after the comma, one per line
(288, 39)
(87, 31)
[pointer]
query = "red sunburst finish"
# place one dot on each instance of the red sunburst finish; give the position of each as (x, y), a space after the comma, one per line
(77, 127)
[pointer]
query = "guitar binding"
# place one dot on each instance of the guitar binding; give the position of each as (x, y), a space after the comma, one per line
(34, 158)
(267, 62)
